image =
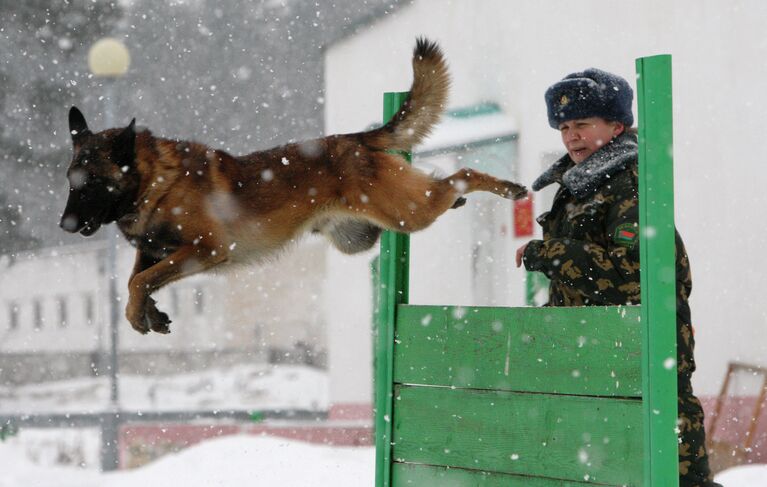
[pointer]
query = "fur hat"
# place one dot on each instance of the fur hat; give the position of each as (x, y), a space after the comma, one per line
(591, 93)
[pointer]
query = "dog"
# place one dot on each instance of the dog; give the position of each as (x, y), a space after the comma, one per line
(188, 208)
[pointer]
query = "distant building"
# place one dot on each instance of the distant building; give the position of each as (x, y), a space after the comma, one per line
(54, 315)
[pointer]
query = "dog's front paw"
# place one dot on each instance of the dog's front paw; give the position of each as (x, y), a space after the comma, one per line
(136, 315)
(157, 320)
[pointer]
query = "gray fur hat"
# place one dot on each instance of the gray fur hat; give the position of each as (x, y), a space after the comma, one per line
(591, 93)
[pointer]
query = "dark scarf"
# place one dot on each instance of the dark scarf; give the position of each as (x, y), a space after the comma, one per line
(585, 178)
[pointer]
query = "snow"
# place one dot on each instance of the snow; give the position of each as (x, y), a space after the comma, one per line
(229, 461)
(744, 476)
(249, 460)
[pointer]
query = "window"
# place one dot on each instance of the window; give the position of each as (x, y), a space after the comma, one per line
(199, 304)
(37, 314)
(62, 307)
(88, 308)
(13, 315)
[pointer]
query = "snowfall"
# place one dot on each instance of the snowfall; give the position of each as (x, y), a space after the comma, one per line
(27, 459)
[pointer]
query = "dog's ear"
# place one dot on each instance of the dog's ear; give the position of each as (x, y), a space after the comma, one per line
(77, 124)
(125, 144)
(130, 130)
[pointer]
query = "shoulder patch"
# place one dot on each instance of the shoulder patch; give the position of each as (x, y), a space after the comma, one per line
(626, 235)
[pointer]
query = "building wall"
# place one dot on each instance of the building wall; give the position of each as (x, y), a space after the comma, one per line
(510, 52)
(31, 288)
(464, 258)
(54, 314)
(277, 304)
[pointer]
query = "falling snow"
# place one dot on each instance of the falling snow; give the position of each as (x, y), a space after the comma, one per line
(244, 76)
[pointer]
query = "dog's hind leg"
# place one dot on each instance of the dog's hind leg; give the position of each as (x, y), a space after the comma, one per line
(408, 201)
(468, 180)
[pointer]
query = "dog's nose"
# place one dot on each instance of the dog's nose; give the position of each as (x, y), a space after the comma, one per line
(69, 223)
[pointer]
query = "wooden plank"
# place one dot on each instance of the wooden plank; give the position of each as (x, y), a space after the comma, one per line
(587, 350)
(405, 475)
(579, 438)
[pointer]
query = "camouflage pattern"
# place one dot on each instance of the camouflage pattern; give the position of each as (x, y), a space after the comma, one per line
(590, 252)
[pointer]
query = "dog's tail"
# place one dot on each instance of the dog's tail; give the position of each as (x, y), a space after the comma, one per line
(424, 105)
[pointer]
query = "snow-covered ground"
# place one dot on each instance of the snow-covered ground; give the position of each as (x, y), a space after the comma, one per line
(744, 476)
(230, 461)
(243, 387)
(30, 460)
(235, 461)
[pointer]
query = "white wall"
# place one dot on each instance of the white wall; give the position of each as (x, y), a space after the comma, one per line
(73, 272)
(249, 307)
(510, 52)
(347, 300)
(45, 278)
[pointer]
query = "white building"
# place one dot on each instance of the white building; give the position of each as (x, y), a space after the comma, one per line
(54, 314)
(508, 53)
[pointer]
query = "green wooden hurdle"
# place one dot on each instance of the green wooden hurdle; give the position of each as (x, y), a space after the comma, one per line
(537, 397)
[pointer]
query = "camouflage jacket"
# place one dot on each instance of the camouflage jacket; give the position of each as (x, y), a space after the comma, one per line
(590, 246)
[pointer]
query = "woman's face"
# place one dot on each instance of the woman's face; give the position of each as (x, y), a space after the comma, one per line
(584, 136)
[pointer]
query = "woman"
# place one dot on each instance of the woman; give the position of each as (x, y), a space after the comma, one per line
(590, 237)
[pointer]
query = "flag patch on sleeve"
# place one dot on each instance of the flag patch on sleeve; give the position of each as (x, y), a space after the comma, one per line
(626, 235)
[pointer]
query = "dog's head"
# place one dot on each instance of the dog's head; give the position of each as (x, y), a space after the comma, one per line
(101, 185)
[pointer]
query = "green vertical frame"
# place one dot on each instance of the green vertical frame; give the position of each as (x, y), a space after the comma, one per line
(393, 268)
(658, 270)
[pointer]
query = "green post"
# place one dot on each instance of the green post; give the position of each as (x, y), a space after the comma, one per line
(658, 270)
(7, 430)
(534, 282)
(392, 290)
(257, 416)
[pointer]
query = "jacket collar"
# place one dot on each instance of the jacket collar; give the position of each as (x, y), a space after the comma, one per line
(584, 178)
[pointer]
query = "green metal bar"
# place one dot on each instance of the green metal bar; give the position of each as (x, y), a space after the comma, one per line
(658, 275)
(392, 291)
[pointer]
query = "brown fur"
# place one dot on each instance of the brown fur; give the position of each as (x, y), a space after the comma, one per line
(188, 208)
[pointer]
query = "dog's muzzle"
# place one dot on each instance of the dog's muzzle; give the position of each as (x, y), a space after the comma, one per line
(70, 223)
